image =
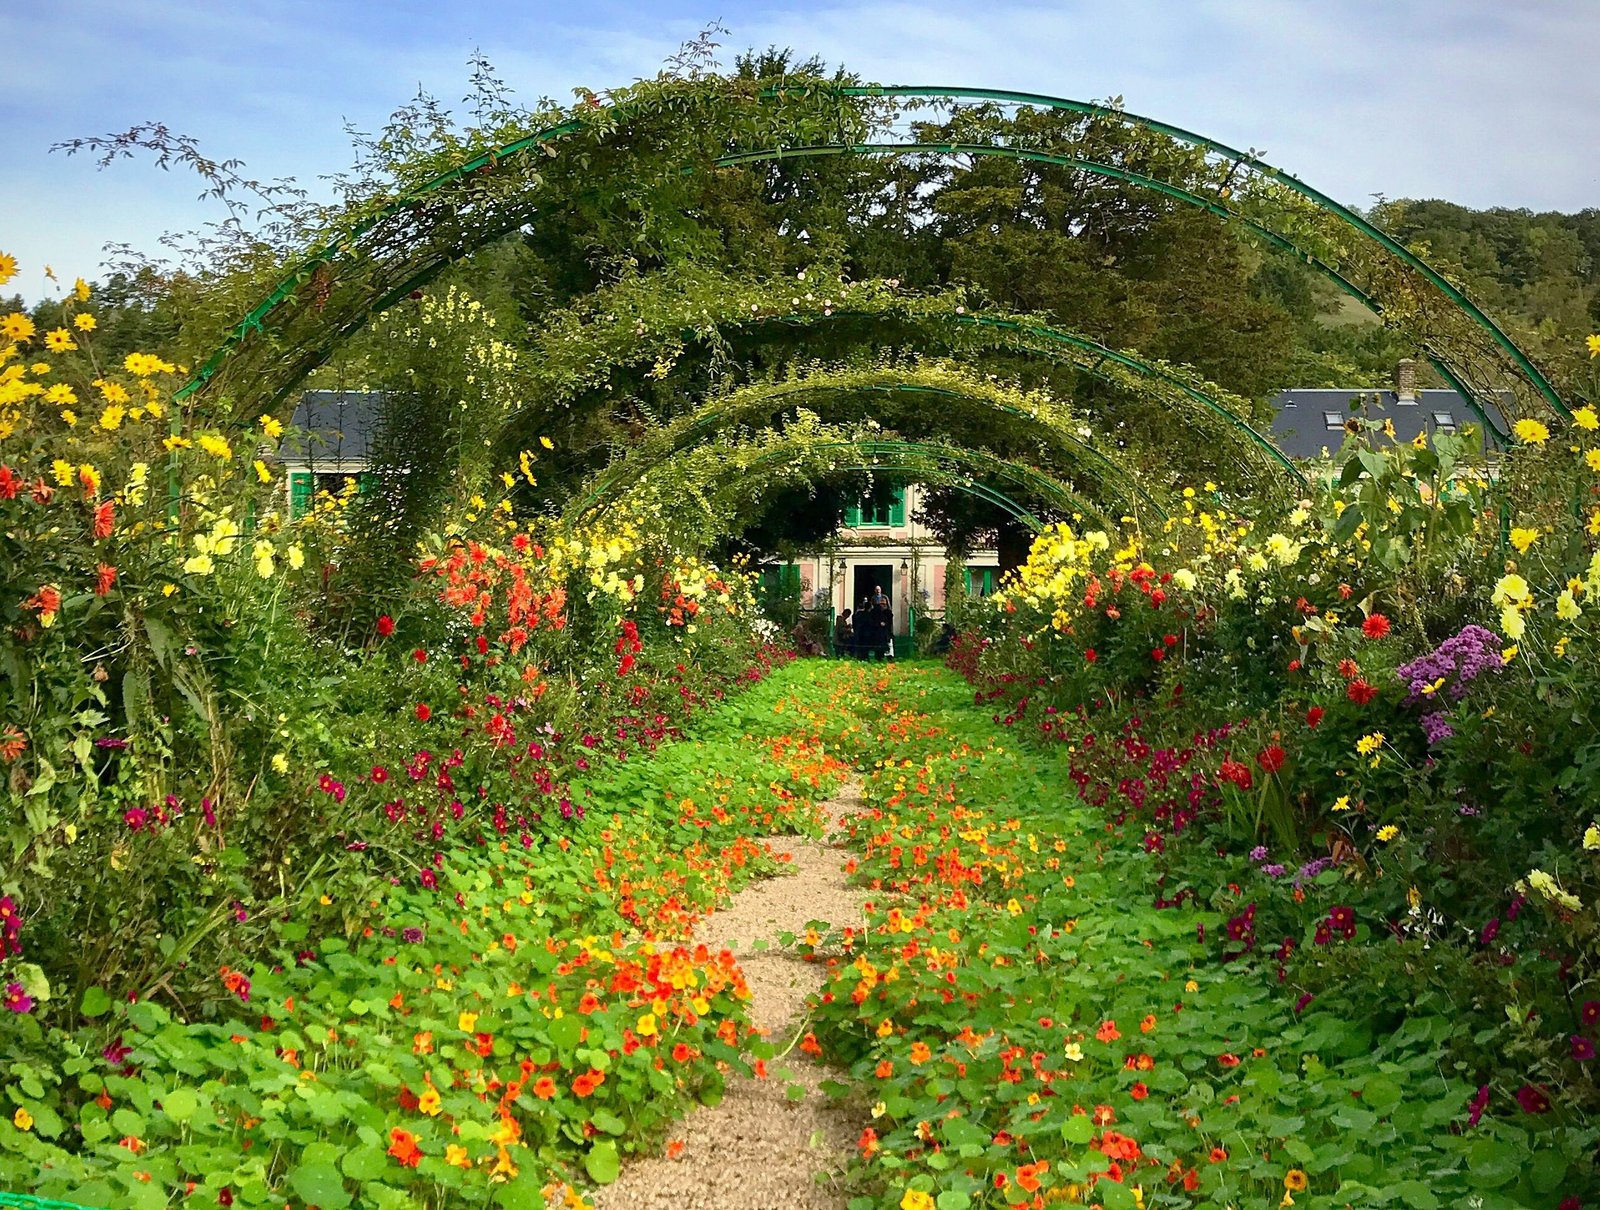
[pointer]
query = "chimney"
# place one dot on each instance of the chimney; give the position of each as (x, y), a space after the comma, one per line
(1405, 380)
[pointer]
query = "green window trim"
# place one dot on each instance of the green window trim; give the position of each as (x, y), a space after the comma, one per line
(855, 517)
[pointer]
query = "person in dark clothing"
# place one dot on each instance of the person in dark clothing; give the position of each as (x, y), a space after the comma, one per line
(865, 627)
(844, 635)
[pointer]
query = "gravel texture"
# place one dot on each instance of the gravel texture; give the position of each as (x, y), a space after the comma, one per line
(759, 1150)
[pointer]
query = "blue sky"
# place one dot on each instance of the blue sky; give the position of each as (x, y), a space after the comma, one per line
(1485, 102)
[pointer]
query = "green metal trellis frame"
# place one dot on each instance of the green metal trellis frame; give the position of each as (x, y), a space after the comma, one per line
(255, 323)
(705, 421)
(1096, 354)
(918, 458)
(1129, 177)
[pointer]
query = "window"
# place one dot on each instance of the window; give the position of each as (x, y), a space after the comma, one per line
(304, 486)
(1333, 420)
(980, 580)
(1445, 420)
(888, 512)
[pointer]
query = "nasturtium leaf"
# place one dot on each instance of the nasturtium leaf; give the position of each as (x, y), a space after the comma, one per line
(1381, 1094)
(565, 1032)
(1078, 1129)
(95, 1003)
(320, 1184)
(180, 1104)
(602, 1163)
(1547, 1171)
(364, 1164)
(608, 1122)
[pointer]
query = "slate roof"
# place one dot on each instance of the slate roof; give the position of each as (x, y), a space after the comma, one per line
(1305, 420)
(333, 426)
(338, 426)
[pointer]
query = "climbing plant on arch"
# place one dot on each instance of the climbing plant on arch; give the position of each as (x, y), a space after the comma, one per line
(932, 400)
(655, 319)
(701, 493)
(640, 151)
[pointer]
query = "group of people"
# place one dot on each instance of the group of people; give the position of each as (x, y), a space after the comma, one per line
(867, 632)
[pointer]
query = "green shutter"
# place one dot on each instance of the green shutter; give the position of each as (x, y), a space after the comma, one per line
(897, 510)
(366, 481)
(852, 515)
(789, 581)
(302, 487)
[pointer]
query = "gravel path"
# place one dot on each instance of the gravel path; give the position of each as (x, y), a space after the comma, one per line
(758, 1150)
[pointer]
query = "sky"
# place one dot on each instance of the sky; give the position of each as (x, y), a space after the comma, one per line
(1482, 102)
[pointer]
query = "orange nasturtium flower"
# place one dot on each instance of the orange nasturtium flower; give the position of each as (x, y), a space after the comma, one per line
(403, 1146)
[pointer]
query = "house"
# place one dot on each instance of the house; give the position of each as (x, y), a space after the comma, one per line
(883, 547)
(1309, 424)
(330, 441)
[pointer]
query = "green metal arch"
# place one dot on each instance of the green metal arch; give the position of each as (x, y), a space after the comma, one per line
(255, 321)
(1127, 176)
(1321, 200)
(1092, 361)
(700, 424)
(917, 458)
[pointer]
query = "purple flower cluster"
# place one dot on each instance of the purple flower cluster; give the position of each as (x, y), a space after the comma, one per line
(1452, 666)
(1464, 656)
(1436, 727)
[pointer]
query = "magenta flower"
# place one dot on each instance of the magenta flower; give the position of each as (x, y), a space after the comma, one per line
(1582, 1048)
(136, 817)
(1533, 1100)
(18, 1000)
(1477, 1105)
(1588, 1014)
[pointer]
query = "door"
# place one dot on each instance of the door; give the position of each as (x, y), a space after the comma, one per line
(873, 627)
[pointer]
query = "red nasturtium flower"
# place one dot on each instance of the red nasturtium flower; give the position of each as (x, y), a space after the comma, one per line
(1376, 626)
(423, 712)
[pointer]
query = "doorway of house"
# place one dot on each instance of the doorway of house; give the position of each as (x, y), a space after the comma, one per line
(872, 638)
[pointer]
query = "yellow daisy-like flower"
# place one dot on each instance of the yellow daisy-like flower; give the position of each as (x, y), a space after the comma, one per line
(1592, 459)
(85, 322)
(80, 290)
(1586, 418)
(69, 417)
(111, 392)
(1368, 744)
(59, 340)
(61, 395)
(1388, 832)
(216, 446)
(1594, 346)
(262, 473)
(17, 326)
(272, 427)
(8, 267)
(1343, 804)
(111, 418)
(1531, 432)
(547, 443)
(1523, 537)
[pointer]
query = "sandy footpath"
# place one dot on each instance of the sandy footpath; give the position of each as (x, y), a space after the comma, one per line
(759, 1150)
